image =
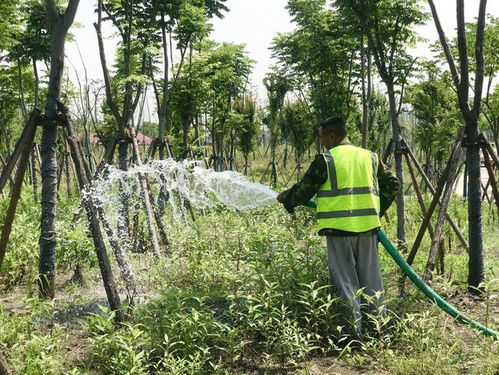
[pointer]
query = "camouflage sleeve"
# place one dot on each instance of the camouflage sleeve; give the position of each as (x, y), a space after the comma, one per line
(301, 192)
(389, 187)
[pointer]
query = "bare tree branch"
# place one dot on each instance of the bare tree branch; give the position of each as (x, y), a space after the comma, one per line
(445, 45)
(70, 13)
(479, 58)
(105, 71)
(463, 50)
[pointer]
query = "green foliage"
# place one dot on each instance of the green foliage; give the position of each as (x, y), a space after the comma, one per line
(246, 125)
(121, 352)
(379, 121)
(33, 350)
(319, 56)
(9, 23)
(22, 251)
(9, 113)
(435, 107)
(213, 81)
(33, 41)
(298, 127)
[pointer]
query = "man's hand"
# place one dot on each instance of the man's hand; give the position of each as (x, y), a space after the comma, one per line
(280, 197)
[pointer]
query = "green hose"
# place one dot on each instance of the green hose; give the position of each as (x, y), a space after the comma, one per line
(429, 292)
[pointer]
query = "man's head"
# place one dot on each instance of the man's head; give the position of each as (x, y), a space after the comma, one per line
(332, 131)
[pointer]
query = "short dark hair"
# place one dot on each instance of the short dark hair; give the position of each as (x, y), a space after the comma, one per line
(334, 125)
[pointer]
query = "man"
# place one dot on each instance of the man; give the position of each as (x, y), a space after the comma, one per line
(353, 190)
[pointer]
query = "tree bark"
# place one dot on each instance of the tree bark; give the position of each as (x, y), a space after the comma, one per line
(58, 25)
(475, 265)
(396, 136)
(365, 108)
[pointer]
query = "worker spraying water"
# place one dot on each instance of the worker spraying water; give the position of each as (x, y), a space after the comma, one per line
(353, 189)
(373, 191)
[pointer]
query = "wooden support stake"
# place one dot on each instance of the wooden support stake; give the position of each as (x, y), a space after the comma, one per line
(435, 201)
(430, 187)
(418, 191)
(18, 182)
(92, 215)
(485, 143)
(492, 177)
(146, 199)
(435, 243)
(29, 129)
(388, 151)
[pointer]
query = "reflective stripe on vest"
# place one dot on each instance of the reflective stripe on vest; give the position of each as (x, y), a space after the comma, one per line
(352, 208)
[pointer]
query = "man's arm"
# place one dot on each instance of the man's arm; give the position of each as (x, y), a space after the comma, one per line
(301, 192)
(389, 187)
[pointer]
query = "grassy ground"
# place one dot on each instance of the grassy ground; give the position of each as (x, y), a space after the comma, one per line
(238, 293)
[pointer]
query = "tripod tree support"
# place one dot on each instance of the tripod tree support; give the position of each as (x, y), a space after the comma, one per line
(449, 184)
(418, 191)
(430, 187)
(436, 199)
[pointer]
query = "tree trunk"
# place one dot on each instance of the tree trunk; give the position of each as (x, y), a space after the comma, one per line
(396, 136)
(475, 264)
(59, 25)
(365, 114)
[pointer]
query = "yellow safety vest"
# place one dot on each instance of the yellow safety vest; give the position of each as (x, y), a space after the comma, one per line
(349, 199)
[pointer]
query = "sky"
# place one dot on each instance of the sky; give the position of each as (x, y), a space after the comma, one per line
(252, 22)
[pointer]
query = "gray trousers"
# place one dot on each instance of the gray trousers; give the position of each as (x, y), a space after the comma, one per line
(353, 265)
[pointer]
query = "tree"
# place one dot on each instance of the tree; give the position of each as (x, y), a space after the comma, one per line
(218, 77)
(247, 126)
(298, 127)
(388, 26)
(438, 117)
(187, 22)
(320, 57)
(471, 113)
(59, 24)
(277, 85)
